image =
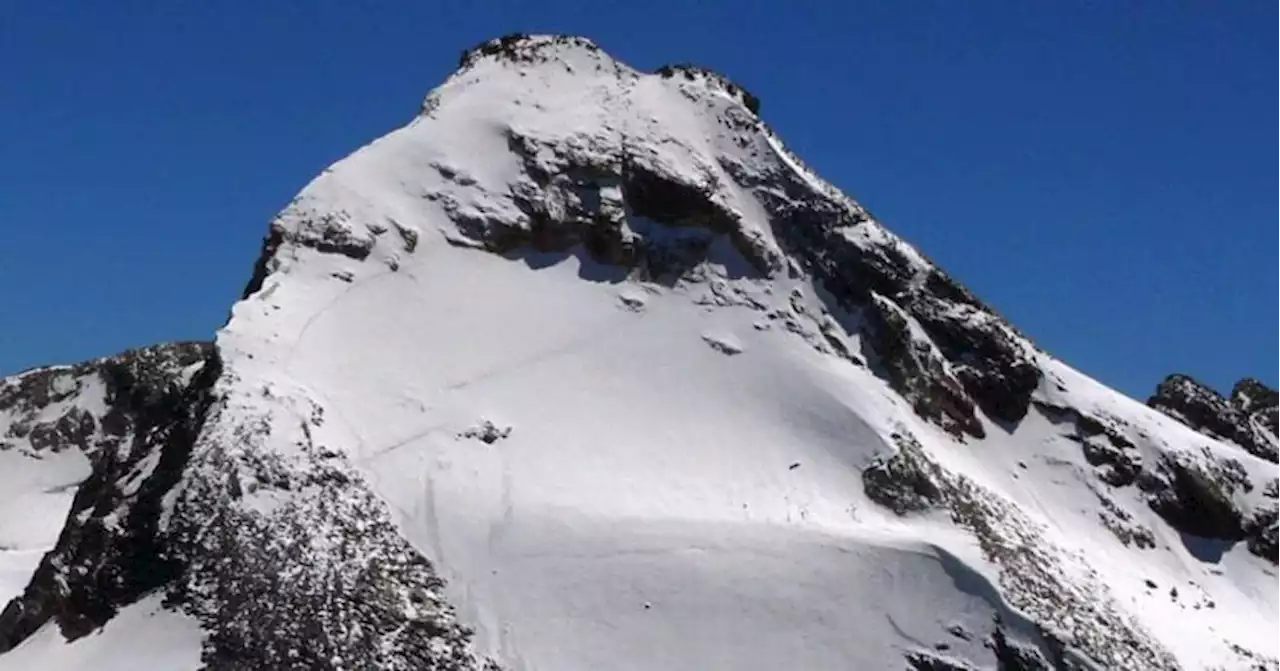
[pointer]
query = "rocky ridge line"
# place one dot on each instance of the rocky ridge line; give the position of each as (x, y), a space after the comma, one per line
(1248, 418)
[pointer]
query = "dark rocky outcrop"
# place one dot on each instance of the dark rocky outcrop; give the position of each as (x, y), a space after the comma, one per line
(1194, 493)
(1104, 446)
(1013, 656)
(1250, 395)
(916, 370)
(109, 553)
(1261, 534)
(922, 660)
(621, 211)
(1260, 403)
(324, 581)
(995, 367)
(321, 581)
(266, 258)
(328, 233)
(320, 577)
(904, 482)
(522, 48)
(24, 394)
(604, 196)
(1196, 497)
(1248, 419)
(75, 429)
(692, 72)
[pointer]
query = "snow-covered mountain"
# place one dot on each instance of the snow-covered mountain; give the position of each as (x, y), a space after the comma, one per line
(583, 369)
(85, 460)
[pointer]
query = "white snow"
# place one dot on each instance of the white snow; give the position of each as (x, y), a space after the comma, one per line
(656, 503)
(642, 467)
(38, 487)
(142, 636)
(672, 483)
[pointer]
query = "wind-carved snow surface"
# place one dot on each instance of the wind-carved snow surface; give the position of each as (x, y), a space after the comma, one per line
(647, 393)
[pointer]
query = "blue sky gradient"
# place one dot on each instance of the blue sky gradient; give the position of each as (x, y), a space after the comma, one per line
(1101, 173)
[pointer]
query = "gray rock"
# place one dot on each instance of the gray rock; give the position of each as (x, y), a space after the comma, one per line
(1243, 420)
(110, 553)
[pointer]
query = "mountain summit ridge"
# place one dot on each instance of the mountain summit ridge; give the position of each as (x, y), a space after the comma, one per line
(582, 368)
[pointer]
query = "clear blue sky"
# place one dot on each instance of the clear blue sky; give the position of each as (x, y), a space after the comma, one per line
(1100, 172)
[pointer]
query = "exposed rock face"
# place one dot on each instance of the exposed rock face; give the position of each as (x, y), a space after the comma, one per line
(920, 660)
(621, 206)
(109, 553)
(1250, 395)
(853, 259)
(1199, 496)
(1259, 402)
(1103, 444)
(918, 370)
(1010, 656)
(906, 481)
(1247, 419)
(1261, 533)
(1196, 497)
(219, 479)
(163, 509)
(1199, 493)
(523, 48)
(1030, 569)
(606, 192)
(694, 73)
(290, 561)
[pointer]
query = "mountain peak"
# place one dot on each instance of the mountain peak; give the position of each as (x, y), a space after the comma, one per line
(527, 48)
(566, 189)
(582, 368)
(1251, 394)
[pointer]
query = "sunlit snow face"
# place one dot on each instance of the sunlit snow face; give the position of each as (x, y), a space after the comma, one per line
(647, 393)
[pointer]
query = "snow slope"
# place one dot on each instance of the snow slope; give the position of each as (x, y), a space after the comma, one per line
(143, 635)
(650, 394)
(38, 496)
(619, 473)
(78, 451)
(39, 479)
